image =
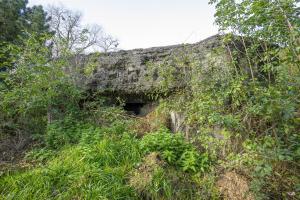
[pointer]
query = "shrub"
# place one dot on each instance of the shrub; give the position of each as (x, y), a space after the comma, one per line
(36, 89)
(175, 150)
(69, 131)
(60, 133)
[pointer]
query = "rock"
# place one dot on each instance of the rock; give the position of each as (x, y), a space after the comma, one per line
(127, 74)
(177, 122)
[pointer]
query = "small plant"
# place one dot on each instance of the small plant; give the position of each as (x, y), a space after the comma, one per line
(40, 155)
(190, 160)
(69, 131)
(175, 151)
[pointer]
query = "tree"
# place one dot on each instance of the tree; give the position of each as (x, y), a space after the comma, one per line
(71, 35)
(37, 89)
(11, 19)
(37, 21)
(18, 21)
(268, 105)
(272, 21)
(108, 43)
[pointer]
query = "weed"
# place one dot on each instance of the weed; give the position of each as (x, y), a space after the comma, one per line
(175, 151)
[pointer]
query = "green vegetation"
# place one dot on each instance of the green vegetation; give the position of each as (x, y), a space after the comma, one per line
(17, 22)
(175, 150)
(247, 112)
(98, 163)
(242, 119)
(84, 171)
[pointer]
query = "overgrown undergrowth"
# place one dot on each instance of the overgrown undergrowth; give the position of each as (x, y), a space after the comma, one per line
(240, 111)
(100, 163)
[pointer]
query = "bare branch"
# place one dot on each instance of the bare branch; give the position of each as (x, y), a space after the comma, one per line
(71, 35)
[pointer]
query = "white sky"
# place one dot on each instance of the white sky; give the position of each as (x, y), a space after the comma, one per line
(146, 23)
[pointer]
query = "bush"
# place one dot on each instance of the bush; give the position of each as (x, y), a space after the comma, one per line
(36, 90)
(60, 133)
(175, 150)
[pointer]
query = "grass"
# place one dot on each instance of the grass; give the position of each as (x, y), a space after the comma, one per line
(103, 163)
(82, 171)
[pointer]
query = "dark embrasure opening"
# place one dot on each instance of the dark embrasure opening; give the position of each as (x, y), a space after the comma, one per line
(134, 108)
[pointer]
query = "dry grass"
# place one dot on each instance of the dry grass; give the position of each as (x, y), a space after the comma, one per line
(143, 175)
(150, 123)
(234, 187)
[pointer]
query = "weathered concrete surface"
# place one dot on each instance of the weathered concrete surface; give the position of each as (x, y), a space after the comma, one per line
(126, 73)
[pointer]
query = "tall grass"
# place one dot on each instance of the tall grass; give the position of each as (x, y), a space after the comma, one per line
(104, 163)
(93, 170)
